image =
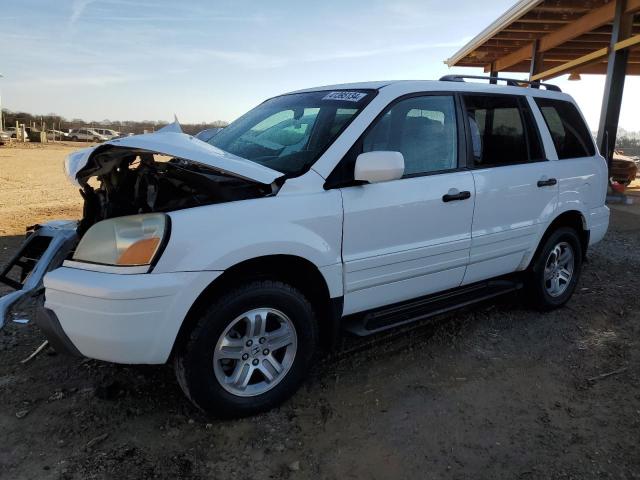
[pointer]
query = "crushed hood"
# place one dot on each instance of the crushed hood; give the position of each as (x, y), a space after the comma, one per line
(172, 142)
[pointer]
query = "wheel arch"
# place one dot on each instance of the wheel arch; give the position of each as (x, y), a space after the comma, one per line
(296, 271)
(570, 218)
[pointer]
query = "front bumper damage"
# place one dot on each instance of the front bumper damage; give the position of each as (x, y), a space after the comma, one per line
(44, 249)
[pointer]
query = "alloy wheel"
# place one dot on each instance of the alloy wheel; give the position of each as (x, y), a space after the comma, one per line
(255, 352)
(558, 270)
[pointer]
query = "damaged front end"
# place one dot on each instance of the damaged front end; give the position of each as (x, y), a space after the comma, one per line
(162, 172)
(159, 172)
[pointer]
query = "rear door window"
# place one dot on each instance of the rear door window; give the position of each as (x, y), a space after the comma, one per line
(570, 135)
(502, 131)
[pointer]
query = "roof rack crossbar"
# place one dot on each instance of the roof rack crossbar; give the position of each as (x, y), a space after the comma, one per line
(512, 82)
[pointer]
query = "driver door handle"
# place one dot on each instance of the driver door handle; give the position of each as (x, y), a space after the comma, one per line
(547, 182)
(454, 195)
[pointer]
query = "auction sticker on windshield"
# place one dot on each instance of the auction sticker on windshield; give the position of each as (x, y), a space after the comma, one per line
(345, 96)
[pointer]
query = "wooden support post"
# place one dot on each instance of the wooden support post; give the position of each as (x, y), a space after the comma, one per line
(537, 61)
(494, 73)
(614, 84)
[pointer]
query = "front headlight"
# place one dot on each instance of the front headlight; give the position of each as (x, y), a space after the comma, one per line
(126, 241)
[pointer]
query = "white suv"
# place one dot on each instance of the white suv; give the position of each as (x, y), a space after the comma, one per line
(108, 133)
(351, 207)
(86, 135)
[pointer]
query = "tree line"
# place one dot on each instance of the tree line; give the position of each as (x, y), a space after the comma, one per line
(54, 121)
(628, 142)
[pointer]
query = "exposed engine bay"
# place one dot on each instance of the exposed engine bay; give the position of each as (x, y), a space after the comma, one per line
(124, 181)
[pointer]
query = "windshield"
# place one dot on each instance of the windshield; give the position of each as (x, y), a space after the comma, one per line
(289, 133)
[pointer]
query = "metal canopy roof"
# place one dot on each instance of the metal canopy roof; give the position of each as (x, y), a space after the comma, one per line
(570, 36)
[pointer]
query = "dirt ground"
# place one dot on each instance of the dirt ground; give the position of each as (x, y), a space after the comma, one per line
(493, 391)
(33, 187)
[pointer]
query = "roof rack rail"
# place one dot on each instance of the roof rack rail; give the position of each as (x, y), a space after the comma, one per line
(512, 82)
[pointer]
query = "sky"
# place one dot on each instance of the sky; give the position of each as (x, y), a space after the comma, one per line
(207, 60)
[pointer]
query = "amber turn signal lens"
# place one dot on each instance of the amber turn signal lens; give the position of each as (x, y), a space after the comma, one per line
(139, 253)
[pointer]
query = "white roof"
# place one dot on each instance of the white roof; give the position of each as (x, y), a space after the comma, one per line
(375, 85)
(411, 86)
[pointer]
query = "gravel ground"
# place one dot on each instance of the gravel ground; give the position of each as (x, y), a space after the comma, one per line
(492, 391)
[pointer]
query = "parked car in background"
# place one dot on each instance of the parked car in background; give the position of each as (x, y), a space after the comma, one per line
(53, 134)
(342, 208)
(108, 133)
(623, 169)
(12, 131)
(86, 135)
(5, 137)
(207, 134)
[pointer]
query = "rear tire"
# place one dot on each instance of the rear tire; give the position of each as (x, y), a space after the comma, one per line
(554, 272)
(249, 351)
(74, 138)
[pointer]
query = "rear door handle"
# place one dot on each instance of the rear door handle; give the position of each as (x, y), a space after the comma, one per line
(547, 182)
(454, 195)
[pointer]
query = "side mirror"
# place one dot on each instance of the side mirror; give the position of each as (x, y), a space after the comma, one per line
(374, 167)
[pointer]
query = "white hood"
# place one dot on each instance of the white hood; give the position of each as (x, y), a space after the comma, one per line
(172, 142)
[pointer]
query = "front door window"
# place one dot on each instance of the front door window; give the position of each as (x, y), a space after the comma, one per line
(423, 129)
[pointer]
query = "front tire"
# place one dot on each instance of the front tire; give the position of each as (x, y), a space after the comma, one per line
(249, 351)
(555, 270)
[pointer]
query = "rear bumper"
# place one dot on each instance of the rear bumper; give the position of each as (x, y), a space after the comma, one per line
(598, 223)
(132, 319)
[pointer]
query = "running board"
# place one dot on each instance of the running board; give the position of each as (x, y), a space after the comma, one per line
(398, 314)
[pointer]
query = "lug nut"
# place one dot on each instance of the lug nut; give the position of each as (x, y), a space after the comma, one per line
(249, 343)
(265, 351)
(255, 362)
(262, 340)
(245, 356)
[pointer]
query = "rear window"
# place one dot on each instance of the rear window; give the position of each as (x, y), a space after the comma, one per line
(570, 135)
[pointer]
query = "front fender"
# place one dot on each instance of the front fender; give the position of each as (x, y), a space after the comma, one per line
(216, 237)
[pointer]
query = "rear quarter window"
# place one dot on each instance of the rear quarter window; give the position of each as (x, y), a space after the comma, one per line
(569, 133)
